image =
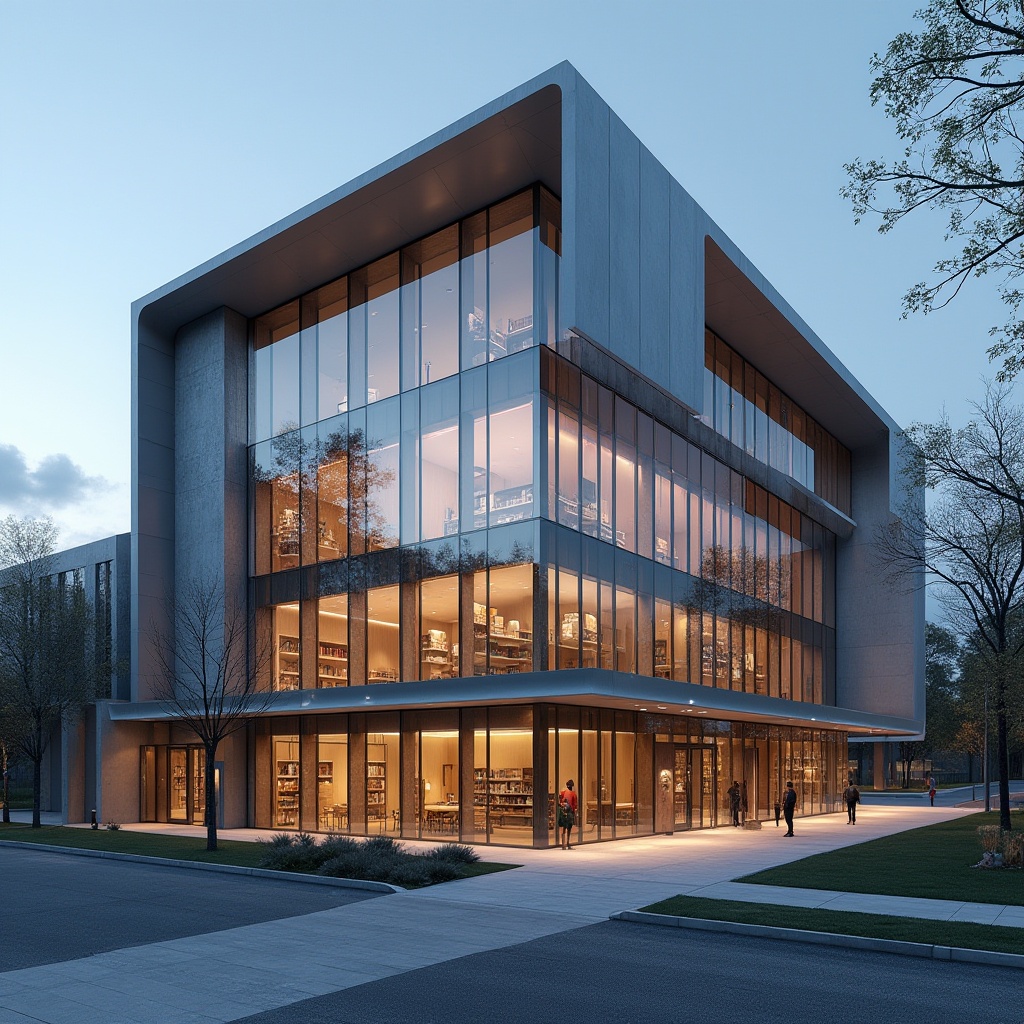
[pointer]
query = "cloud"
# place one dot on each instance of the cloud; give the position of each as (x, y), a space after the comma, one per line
(56, 482)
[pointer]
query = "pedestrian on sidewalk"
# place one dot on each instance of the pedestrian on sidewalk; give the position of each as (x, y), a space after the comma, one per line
(744, 802)
(568, 805)
(778, 811)
(734, 802)
(852, 797)
(788, 806)
(931, 789)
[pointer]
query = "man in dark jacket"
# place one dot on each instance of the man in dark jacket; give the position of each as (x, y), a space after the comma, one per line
(852, 797)
(788, 806)
(734, 801)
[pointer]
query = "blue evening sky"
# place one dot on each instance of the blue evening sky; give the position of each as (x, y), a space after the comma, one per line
(141, 139)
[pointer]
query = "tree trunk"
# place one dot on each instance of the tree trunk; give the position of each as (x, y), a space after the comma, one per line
(7, 787)
(1002, 753)
(211, 796)
(37, 777)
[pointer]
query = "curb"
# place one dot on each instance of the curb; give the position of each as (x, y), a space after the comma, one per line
(918, 949)
(225, 869)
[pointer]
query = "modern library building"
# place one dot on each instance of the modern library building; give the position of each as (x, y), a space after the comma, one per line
(527, 475)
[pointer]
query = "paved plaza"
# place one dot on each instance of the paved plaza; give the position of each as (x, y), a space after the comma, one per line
(245, 968)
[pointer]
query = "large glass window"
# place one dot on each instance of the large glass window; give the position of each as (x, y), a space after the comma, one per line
(332, 636)
(332, 782)
(439, 454)
(287, 647)
(383, 775)
(751, 412)
(383, 655)
(439, 628)
(287, 776)
(430, 309)
(276, 371)
(383, 433)
(510, 291)
(511, 466)
(332, 349)
(503, 780)
(332, 448)
(382, 329)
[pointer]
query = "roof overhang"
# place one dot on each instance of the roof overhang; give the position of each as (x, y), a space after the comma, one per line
(591, 687)
(748, 314)
(501, 148)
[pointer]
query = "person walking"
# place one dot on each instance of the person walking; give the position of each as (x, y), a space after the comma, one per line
(852, 797)
(788, 806)
(931, 789)
(734, 802)
(744, 802)
(778, 811)
(568, 805)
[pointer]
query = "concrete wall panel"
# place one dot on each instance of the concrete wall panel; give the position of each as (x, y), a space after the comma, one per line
(586, 245)
(655, 252)
(624, 244)
(880, 632)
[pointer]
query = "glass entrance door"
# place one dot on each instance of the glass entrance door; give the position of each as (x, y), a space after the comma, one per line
(693, 787)
(178, 810)
(681, 779)
(197, 759)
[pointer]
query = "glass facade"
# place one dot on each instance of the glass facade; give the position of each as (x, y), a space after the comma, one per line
(435, 494)
(479, 775)
(742, 405)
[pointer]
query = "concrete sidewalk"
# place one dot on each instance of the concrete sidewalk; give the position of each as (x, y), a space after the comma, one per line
(244, 970)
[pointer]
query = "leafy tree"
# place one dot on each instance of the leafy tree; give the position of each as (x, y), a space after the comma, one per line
(955, 90)
(942, 698)
(971, 543)
(210, 660)
(909, 752)
(970, 740)
(48, 670)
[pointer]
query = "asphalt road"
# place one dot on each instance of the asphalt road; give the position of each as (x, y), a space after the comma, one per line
(54, 907)
(641, 974)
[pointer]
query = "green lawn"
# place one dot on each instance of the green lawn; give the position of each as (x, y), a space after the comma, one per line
(242, 854)
(933, 862)
(905, 929)
(142, 843)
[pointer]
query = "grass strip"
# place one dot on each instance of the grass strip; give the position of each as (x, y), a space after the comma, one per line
(148, 844)
(144, 844)
(960, 934)
(934, 862)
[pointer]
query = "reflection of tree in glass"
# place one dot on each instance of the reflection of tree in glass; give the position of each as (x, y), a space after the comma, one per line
(341, 469)
(347, 456)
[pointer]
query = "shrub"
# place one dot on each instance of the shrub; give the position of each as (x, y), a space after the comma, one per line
(298, 852)
(112, 826)
(378, 859)
(335, 845)
(990, 836)
(454, 853)
(1013, 849)
(384, 846)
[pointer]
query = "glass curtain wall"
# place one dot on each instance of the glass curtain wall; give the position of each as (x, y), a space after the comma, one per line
(470, 773)
(743, 406)
(339, 465)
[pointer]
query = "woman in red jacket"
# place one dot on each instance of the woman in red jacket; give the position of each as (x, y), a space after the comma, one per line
(568, 804)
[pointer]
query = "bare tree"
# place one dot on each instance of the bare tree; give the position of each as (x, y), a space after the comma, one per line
(210, 664)
(971, 543)
(48, 670)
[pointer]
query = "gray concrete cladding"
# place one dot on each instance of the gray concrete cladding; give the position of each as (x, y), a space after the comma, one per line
(643, 270)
